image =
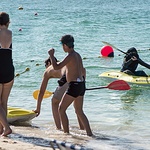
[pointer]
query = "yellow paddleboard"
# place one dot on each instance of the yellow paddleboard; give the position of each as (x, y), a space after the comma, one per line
(139, 80)
(19, 115)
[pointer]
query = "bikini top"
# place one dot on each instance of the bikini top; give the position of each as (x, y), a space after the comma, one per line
(6, 56)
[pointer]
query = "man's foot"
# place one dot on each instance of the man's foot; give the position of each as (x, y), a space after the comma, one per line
(7, 132)
(90, 134)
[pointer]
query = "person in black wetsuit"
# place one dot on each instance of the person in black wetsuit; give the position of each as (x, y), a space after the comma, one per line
(131, 61)
(6, 71)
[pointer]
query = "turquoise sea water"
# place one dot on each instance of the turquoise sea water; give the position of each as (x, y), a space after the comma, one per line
(119, 119)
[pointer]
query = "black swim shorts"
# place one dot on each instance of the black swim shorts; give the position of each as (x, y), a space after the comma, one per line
(76, 89)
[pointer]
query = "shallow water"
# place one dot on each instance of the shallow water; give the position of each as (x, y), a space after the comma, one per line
(119, 119)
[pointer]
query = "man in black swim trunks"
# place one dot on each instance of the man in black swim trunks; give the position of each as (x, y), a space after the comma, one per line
(58, 94)
(74, 76)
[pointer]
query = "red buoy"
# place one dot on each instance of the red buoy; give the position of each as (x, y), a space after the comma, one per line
(107, 51)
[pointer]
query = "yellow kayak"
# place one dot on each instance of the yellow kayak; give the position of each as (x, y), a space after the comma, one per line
(139, 80)
(19, 115)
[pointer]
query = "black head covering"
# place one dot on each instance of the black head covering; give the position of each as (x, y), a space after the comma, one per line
(131, 52)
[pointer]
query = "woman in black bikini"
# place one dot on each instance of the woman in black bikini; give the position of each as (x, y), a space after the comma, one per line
(6, 71)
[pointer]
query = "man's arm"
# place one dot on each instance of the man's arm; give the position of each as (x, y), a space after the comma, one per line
(60, 65)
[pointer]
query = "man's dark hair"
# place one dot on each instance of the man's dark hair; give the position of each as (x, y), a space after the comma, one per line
(68, 40)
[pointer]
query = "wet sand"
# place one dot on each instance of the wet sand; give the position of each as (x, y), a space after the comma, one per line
(32, 137)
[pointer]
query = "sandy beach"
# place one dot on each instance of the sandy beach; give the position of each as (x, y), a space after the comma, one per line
(8, 143)
(31, 137)
(21, 139)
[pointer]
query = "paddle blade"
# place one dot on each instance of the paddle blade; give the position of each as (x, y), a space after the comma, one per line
(46, 94)
(106, 43)
(119, 85)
